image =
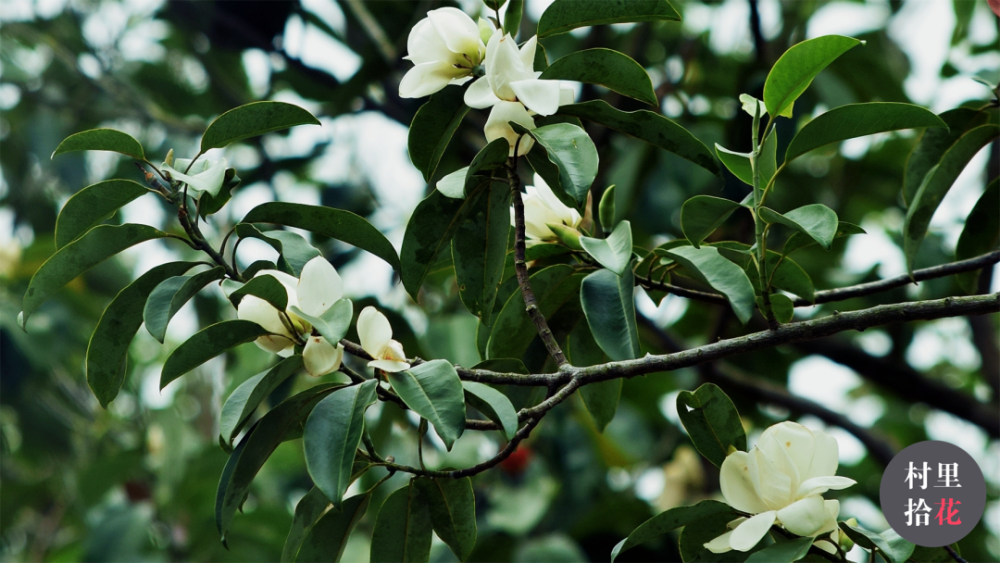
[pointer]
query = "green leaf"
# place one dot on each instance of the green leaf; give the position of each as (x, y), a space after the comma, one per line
(694, 536)
(565, 15)
(611, 69)
(428, 232)
(923, 554)
(172, 293)
(294, 252)
(99, 244)
(263, 287)
(786, 551)
(816, 220)
(309, 509)
(329, 222)
(433, 127)
(513, 331)
(257, 446)
(702, 214)
(328, 537)
(251, 120)
(739, 163)
(707, 265)
(858, 120)
(434, 391)
(936, 184)
(795, 70)
(782, 307)
(606, 209)
(93, 204)
(980, 235)
(539, 161)
(571, 149)
(206, 344)
(670, 520)
(452, 507)
(609, 304)
(889, 543)
(332, 435)
(512, 18)
(402, 532)
(784, 273)
(541, 61)
(712, 421)
(334, 323)
(647, 126)
(453, 185)
(493, 404)
(934, 143)
(108, 347)
(101, 140)
(800, 240)
(245, 399)
(600, 399)
(614, 252)
(479, 249)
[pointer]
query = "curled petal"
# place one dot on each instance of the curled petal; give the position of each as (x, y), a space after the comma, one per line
(826, 457)
(480, 95)
(459, 33)
(747, 534)
(540, 96)
(792, 442)
(820, 485)
(319, 287)
(428, 78)
(275, 344)
(394, 351)
(320, 357)
(567, 95)
(805, 517)
(204, 176)
(389, 365)
(737, 487)
(773, 486)
(424, 45)
(567, 215)
(374, 331)
(503, 66)
(261, 312)
(528, 53)
(720, 544)
(498, 126)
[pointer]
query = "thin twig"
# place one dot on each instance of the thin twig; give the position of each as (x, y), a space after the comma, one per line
(951, 551)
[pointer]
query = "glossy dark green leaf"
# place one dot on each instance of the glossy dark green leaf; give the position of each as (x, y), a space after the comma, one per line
(257, 446)
(566, 15)
(707, 265)
(308, 510)
(934, 143)
(923, 554)
(293, 250)
(694, 536)
(858, 120)
(328, 537)
(332, 324)
(493, 404)
(784, 273)
(541, 61)
(512, 18)
(93, 204)
(609, 304)
(97, 245)
(539, 161)
(402, 532)
(433, 127)
(797, 67)
(785, 552)
(251, 120)
(702, 214)
(434, 391)
(101, 140)
(570, 148)
(816, 220)
(936, 184)
(263, 287)
(647, 126)
(889, 543)
(800, 240)
(332, 435)
(245, 399)
(479, 249)
(485, 165)
(171, 295)
(614, 252)
(452, 507)
(782, 307)
(611, 69)
(739, 163)
(513, 330)
(206, 344)
(712, 422)
(980, 235)
(108, 348)
(666, 522)
(600, 399)
(209, 204)
(329, 222)
(606, 209)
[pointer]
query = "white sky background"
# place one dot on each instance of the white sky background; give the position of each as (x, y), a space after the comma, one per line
(369, 150)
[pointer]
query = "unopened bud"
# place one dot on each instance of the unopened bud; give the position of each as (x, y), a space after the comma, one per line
(566, 235)
(169, 161)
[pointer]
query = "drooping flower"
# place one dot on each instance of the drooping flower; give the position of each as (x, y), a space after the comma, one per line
(445, 47)
(375, 333)
(314, 292)
(207, 175)
(780, 481)
(541, 209)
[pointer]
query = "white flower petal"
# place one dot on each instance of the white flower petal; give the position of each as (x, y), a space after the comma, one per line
(566, 95)
(424, 45)
(503, 66)
(257, 310)
(737, 487)
(528, 53)
(791, 439)
(497, 126)
(747, 534)
(459, 33)
(720, 544)
(394, 351)
(374, 331)
(428, 78)
(567, 215)
(319, 287)
(274, 344)
(204, 176)
(773, 486)
(480, 95)
(540, 96)
(390, 366)
(805, 517)
(320, 357)
(820, 485)
(825, 458)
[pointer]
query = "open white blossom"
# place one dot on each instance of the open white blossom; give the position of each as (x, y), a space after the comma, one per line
(781, 481)
(375, 333)
(206, 175)
(445, 47)
(541, 209)
(316, 290)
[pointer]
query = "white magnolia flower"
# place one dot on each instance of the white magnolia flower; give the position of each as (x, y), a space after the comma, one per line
(316, 290)
(541, 209)
(445, 47)
(375, 333)
(781, 481)
(206, 175)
